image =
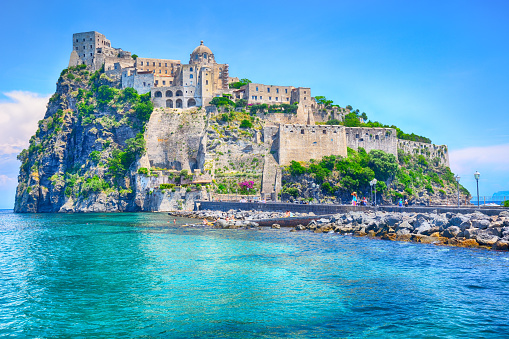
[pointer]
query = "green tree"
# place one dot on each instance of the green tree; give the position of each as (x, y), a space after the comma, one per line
(383, 164)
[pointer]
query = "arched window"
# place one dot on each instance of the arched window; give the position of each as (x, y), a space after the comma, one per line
(158, 94)
(204, 55)
(179, 93)
(191, 103)
(179, 103)
(190, 76)
(190, 69)
(196, 57)
(169, 94)
(169, 103)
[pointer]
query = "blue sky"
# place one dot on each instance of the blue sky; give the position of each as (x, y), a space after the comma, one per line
(435, 68)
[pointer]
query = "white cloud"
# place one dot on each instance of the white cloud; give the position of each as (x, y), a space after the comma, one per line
(470, 159)
(5, 180)
(18, 119)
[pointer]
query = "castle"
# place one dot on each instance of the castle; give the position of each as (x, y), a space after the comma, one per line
(178, 87)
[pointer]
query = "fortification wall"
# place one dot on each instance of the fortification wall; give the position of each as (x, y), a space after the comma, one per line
(283, 118)
(305, 142)
(384, 139)
(428, 150)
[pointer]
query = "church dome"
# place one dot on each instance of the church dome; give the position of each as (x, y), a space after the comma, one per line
(202, 49)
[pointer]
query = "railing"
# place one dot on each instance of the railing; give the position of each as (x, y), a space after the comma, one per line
(489, 201)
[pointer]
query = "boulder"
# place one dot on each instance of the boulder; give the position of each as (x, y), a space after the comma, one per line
(458, 219)
(465, 225)
(402, 231)
(300, 227)
(501, 245)
(424, 227)
(480, 223)
(485, 239)
(451, 231)
(405, 225)
(504, 214)
(470, 232)
(221, 223)
(276, 226)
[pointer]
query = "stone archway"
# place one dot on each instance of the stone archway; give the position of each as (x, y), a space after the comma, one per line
(191, 102)
(169, 94)
(169, 103)
(158, 94)
(179, 93)
(179, 103)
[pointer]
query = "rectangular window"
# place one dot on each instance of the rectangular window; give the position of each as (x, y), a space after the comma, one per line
(357, 136)
(159, 64)
(304, 98)
(153, 63)
(304, 92)
(90, 46)
(268, 89)
(277, 90)
(165, 64)
(159, 71)
(286, 90)
(286, 99)
(165, 71)
(77, 48)
(261, 97)
(270, 98)
(256, 88)
(206, 82)
(171, 82)
(276, 99)
(157, 81)
(164, 82)
(144, 83)
(142, 63)
(92, 54)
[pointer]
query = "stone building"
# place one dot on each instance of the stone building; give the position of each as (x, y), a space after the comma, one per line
(94, 50)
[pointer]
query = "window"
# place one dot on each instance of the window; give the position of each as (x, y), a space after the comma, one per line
(196, 57)
(165, 71)
(92, 54)
(286, 90)
(260, 97)
(142, 63)
(286, 99)
(76, 40)
(301, 131)
(164, 82)
(324, 132)
(77, 48)
(276, 99)
(268, 89)
(190, 76)
(165, 64)
(83, 47)
(204, 55)
(270, 98)
(157, 81)
(83, 39)
(304, 92)
(256, 88)
(304, 98)
(206, 82)
(90, 39)
(90, 46)
(159, 71)
(144, 83)
(277, 91)
(190, 69)
(153, 63)
(171, 82)
(357, 136)
(376, 137)
(159, 64)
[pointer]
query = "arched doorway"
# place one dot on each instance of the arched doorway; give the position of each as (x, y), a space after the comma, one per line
(169, 103)
(158, 94)
(179, 93)
(179, 103)
(191, 102)
(169, 94)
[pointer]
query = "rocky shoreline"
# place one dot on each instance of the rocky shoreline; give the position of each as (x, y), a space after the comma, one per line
(476, 230)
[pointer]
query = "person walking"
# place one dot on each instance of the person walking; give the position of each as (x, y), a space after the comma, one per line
(354, 199)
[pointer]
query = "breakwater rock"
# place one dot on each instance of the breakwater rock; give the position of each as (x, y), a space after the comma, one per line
(463, 230)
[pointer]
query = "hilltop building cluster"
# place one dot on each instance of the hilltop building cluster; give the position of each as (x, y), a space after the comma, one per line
(290, 136)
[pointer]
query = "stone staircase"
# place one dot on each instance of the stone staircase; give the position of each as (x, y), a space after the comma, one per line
(271, 177)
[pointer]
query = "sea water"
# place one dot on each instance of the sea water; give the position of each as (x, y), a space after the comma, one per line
(138, 275)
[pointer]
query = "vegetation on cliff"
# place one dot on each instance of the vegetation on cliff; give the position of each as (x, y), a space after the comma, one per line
(91, 135)
(336, 177)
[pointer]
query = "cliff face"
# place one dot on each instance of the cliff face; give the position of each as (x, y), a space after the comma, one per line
(103, 149)
(88, 119)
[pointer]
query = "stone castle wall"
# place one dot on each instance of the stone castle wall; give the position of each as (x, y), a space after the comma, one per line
(428, 150)
(384, 139)
(305, 142)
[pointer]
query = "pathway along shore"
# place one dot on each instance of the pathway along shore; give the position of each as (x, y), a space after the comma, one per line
(453, 229)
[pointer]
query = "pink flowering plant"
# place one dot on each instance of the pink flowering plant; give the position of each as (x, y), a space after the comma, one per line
(246, 187)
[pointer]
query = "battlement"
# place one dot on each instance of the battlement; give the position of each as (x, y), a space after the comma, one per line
(429, 150)
(384, 139)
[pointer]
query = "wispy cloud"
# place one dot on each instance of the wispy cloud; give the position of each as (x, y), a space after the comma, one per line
(496, 157)
(18, 119)
(5, 180)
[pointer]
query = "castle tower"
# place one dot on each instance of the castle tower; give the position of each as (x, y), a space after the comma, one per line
(202, 55)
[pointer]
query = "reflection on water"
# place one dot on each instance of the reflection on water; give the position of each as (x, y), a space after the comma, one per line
(111, 275)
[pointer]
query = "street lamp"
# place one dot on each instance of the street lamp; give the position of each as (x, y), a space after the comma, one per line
(476, 176)
(457, 177)
(373, 183)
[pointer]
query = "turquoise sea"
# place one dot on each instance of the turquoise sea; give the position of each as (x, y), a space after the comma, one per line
(136, 275)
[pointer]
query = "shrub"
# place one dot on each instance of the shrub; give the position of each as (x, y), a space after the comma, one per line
(105, 94)
(506, 203)
(166, 186)
(143, 170)
(95, 156)
(95, 184)
(246, 124)
(334, 122)
(383, 164)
